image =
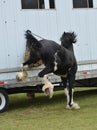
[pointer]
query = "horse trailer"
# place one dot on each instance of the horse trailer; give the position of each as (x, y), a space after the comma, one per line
(46, 19)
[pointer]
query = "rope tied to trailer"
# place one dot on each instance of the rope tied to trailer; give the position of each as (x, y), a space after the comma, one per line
(37, 36)
(28, 31)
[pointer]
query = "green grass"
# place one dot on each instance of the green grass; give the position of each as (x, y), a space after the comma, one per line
(42, 113)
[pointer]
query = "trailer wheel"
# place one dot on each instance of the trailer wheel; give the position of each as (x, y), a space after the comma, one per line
(4, 100)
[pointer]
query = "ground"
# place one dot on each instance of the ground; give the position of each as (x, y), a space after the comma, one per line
(43, 113)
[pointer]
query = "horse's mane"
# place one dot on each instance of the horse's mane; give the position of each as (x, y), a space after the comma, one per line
(32, 40)
(68, 38)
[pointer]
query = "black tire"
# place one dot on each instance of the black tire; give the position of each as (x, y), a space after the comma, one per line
(4, 100)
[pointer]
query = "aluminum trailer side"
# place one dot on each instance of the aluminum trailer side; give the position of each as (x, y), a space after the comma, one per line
(85, 78)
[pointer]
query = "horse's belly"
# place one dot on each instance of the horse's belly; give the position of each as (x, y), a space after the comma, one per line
(62, 73)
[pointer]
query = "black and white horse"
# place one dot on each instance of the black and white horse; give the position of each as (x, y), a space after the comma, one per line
(58, 59)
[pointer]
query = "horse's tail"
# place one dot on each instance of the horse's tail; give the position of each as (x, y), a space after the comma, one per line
(32, 40)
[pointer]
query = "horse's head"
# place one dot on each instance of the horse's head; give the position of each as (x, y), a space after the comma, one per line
(67, 39)
(32, 47)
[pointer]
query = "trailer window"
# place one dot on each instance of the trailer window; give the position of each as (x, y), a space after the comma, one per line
(82, 3)
(32, 4)
(52, 4)
(38, 4)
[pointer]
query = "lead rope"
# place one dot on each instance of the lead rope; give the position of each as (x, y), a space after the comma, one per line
(37, 36)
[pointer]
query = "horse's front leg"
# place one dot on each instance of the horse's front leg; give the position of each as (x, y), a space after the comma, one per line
(69, 93)
(28, 62)
(66, 88)
(23, 74)
(48, 86)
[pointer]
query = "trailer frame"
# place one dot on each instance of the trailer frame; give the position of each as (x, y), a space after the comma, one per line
(33, 84)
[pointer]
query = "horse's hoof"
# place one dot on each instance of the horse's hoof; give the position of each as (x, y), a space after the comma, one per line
(19, 76)
(68, 107)
(51, 92)
(46, 91)
(74, 106)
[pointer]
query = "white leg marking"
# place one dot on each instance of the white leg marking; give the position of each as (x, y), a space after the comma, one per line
(55, 67)
(67, 94)
(74, 105)
(72, 96)
(21, 66)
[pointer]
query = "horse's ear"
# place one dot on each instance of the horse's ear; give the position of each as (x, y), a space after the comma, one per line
(64, 33)
(73, 34)
(61, 38)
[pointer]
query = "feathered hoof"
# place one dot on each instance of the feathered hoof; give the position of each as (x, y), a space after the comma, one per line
(49, 92)
(74, 106)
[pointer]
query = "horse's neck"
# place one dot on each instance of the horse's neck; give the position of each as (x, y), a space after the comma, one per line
(71, 48)
(68, 45)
